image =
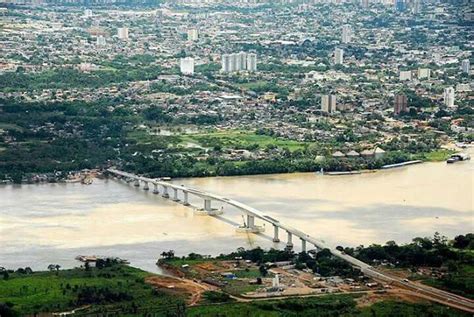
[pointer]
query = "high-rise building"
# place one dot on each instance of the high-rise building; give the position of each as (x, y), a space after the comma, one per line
(424, 73)
(400, 5)
(416, 7)
(346, 33)
(242, 61)
(238, 62)
(338, 56)
(226, 63)
(87, 13)
(252, 62)
(328, 103)
(100, 40)
(193, 34)
(365, 3)
(187, 66)
(448, 97)
(466, 66)
(122, 33)
(234, 61)
(405, 75)
(400, 104)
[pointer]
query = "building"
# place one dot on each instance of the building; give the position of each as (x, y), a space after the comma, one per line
(122, 33)
(226, 63)
(239, 62)
(424, 73)
(338, 56)
(400, 104)
(252, 62)
(405, 75)
(448, 97)
(466, 66)
(87, 13)
(100, 40)
(346, 33)
(193, 34)
(416, 7)
(187, 66)
(400, 5)
(328, 103)
(364, 3)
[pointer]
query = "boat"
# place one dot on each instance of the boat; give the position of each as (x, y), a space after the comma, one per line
(458, 157)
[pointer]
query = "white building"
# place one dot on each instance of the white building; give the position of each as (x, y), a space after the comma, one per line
(346, 33)
(193, 34)
(187, 65)
(122, 33)
(448, 97)
(100, 40)
(239, 62)
(338, 56)
(276, 281)
(405, 75)
(424, 73)
(328, 103)
(87, 13)
(252, 62)
(226, 63)
(466, 66)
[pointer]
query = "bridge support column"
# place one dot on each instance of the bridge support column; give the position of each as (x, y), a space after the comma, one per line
(275, 234)
(137, 183)
(175, 194)
(303, 245)
(250, 221)
(155, 189)
(146, 186)
(165, 192)
(207, 205)
(289, 242)
(185, 198)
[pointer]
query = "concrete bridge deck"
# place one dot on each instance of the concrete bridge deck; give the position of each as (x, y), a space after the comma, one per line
(251, 212)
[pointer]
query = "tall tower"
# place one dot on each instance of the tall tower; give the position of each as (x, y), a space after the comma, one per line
(226, 63)
(346, 33)
(328, 103)
(448, 97)
(466, 66)
(400, 104)
(252, 62)
(338, 56)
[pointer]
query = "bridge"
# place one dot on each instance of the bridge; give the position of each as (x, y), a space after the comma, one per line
(180, 193)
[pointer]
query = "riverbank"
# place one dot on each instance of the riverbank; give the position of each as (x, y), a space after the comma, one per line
(330, 166)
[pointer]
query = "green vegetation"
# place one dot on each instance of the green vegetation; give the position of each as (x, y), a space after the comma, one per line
(453, 260)
(241, 140)
(328, 305)
(112, 287)
(437, 156)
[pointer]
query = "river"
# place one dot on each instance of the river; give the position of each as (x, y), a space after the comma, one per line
(53, 223)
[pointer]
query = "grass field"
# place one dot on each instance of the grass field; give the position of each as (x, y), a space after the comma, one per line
(438, 155)
(117, 287)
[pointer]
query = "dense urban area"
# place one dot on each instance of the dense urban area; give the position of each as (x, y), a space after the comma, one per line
(198, 88)
(144, 91)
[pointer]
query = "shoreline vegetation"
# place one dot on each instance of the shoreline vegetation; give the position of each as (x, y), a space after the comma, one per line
(370, 166)
(109, 286)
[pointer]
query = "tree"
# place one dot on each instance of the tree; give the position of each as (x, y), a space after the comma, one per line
(263, 270)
